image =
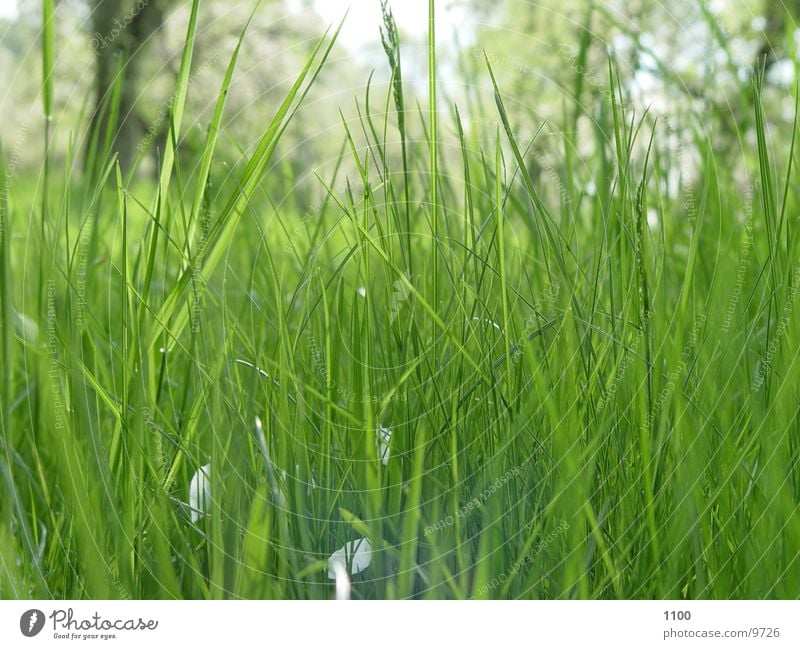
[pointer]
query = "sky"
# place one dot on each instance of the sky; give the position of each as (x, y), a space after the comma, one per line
(364, 18)
(361, 31)
(8, 8)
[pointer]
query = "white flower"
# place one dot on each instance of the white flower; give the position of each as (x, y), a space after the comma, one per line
(342, 581)
(200, 492)
(383, 437)
(27, 329)
(357, 554)
(488, 321)
(310, 486)
(362, 291)
(781, 73)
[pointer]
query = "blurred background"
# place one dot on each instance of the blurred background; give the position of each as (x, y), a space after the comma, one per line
(677, 59)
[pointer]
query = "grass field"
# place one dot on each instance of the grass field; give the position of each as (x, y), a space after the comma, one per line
(579, 381)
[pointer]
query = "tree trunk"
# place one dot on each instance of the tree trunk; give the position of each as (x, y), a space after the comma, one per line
(121, 28)
(778, 15)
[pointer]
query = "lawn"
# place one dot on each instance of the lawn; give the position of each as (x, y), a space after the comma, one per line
(477, 378)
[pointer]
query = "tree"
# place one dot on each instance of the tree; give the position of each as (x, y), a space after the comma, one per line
(779, 15)
(120, 30)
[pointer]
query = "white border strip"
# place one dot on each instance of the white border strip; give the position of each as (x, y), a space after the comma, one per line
(227, 624)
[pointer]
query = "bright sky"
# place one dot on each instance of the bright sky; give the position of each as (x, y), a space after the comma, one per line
(364, 19)
(8, 8)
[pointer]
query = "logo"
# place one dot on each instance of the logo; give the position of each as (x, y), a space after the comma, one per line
(31, 622)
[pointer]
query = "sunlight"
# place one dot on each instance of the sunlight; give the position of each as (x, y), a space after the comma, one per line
(8, 8)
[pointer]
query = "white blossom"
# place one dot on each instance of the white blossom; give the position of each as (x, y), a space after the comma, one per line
(383, 437)
(354, 554)
(200, 492)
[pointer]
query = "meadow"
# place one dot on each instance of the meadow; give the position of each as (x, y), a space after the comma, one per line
(485, 372)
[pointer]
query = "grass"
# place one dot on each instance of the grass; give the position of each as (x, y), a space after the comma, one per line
(591, 393)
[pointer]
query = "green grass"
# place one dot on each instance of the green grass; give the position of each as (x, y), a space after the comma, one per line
(591, 394)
